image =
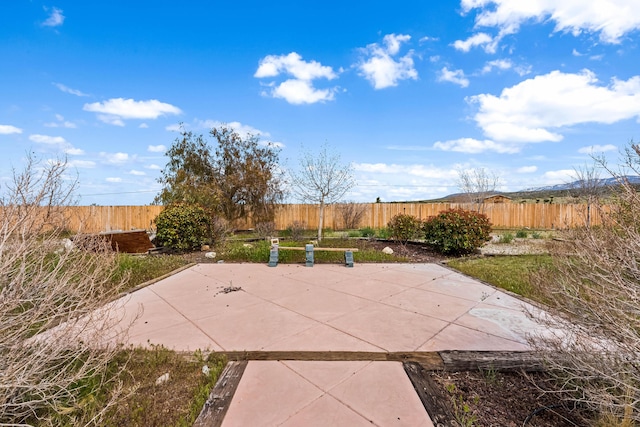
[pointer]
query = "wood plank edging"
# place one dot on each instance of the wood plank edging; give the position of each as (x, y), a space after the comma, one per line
(216, 406)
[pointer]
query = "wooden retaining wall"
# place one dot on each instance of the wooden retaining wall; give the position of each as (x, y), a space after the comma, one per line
(92, 219)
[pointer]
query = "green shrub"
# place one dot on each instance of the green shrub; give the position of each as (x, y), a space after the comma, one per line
(368, 232)
(404, 227)
(457, 231)
(536, 235)
(182, 227)
(522, 234)
(383, 233)
(296, 230)
(506, 238)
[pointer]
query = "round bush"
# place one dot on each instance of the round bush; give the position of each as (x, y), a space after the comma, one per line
(457, 231)
(404, 227)
(182, 227)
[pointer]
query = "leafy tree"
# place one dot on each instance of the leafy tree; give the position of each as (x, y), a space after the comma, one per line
(322, 179)
(188, 177)
(246, 176)
(238, 178)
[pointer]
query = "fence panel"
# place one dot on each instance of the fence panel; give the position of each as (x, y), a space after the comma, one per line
(93, 219)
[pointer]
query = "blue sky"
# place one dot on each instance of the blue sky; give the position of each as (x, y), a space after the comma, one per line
(409, 92)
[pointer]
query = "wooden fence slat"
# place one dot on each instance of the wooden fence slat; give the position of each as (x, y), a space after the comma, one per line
(94, 219)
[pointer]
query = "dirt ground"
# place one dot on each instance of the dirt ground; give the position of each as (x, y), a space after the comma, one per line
(510, 399)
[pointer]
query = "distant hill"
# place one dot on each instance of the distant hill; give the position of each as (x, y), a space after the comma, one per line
(556, 192)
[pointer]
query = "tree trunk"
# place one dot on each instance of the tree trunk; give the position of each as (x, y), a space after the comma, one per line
(320, 219)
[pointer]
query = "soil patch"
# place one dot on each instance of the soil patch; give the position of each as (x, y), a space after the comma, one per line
(508, 399)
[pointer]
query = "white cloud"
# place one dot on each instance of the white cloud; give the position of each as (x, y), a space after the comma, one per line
(115, 111)
(559, 176)
(480, 39)
(292, 64)
(240, 128)
(55, 19)
(8, 129)
(597, 149)
(173, 128)
(143, 126)
(154, 167)
(453, 76)
(474, 146)
(501, 64)
(574, 52)
(67, 89)
(59, 142)
(428, 39)
(300, 89)
(301, 92)
(157, 148)
(136, 172)
(83, 164)
(537, 109)
(611, 19)
(420, 171)
(115, 158)
(380, 67)
(527, 169)
(46, 139)
(61, 123)
(114, 180)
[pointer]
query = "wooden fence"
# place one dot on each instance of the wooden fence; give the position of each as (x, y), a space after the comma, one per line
(92, 219)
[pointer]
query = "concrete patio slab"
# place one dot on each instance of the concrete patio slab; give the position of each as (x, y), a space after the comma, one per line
(371, 307)
(274, 393)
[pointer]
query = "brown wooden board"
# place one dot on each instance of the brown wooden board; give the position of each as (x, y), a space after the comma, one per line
(216, 406)
(132, 242)
(430, 395)
(298, 248)
(455, 361)
(431, 360)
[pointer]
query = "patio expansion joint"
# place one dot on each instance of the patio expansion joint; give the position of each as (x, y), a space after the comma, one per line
(327, 393)
(191, 322)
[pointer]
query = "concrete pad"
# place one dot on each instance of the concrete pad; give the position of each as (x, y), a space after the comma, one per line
(368, 288)
(402, 276)
(327, 411)
(253, 327)
(382, 393)
(273, 287)
(451, 337)
(389, 327)
(326, 375)
(181, 337)
(269, 393)
(443, 307)
(511, 324)
(458, 286)
(322, 338)
(321, 304)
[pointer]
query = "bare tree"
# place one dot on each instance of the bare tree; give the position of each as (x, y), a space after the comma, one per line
(351, 213)
(50, 367)
(322, 179)
(477, 184)
(587, 187)
(595, 284)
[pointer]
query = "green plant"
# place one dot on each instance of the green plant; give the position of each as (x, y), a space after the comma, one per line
(536, 235)
(457, 231)
(383, 233)
(182, 227)
(368, 232)
(522, 234)
(461, 409)
(513, 273)
(506, 238)
(296, 230)
(404, 227)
